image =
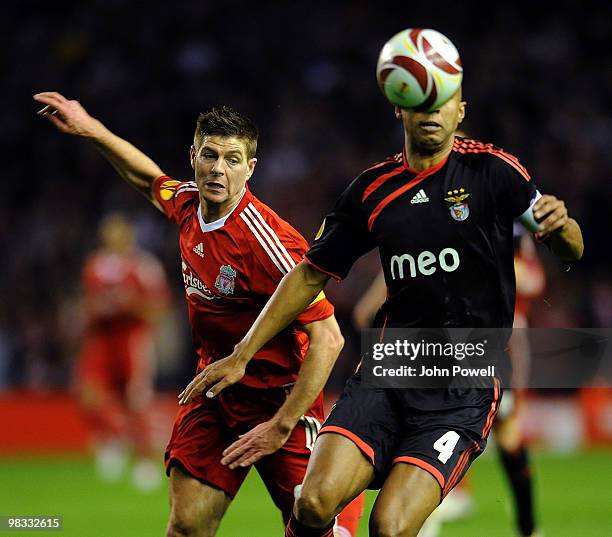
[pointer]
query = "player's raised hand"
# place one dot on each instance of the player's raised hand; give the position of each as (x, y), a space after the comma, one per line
(551, 215)
(215, 378)
(67, 116)
(260, 441)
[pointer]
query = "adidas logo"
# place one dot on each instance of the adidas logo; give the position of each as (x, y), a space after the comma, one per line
(199, 249)
(419, 197)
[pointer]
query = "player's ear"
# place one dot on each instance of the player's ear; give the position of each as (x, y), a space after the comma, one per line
(398, 113)
(251, 167)
(461, 112)
(192, 156)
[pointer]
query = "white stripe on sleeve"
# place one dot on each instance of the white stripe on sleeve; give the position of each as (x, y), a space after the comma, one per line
(262, 242)
(266, 236)
(273, 235)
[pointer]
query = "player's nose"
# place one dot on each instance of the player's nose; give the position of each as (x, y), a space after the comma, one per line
(217, 167)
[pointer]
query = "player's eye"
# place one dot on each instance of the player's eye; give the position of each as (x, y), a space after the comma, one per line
(233, 161)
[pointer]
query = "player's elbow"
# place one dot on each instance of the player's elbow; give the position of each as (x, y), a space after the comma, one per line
(334, 339)
(337, 342)
(326, 334)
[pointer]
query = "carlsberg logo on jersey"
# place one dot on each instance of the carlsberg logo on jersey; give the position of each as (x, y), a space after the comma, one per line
(195, 286)
(425, 263)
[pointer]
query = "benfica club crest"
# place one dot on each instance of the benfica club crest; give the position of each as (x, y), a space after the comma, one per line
(226, 280)
(459, 209)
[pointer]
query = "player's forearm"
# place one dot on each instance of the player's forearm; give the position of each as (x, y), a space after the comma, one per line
(131, 163)
(368, 305)
(316, 368)
(567, 243)
(293, 295)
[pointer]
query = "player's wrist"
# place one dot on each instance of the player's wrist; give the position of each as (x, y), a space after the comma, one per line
(284, 423)
(242, 353)
(97, 132)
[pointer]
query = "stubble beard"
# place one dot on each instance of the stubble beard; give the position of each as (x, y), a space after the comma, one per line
(427, 146)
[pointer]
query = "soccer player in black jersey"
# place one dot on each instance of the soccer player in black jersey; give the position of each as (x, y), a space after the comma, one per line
(447, 258)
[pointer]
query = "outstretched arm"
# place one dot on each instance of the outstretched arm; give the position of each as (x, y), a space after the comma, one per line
(71, 118)
(325, 345)
(555, 226)
(292, 296)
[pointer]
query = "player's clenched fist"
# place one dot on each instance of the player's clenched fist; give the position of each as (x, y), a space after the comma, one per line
(551, 214)
(68, 116)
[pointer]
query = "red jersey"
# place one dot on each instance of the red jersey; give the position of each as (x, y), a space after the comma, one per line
(230, 269)
(120, 289)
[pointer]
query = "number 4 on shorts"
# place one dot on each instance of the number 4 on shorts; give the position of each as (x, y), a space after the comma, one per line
(445, 445)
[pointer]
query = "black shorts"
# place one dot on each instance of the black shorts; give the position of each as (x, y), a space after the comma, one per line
(392, 426)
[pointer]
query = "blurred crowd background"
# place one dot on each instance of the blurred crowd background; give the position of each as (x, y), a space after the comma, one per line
(537, 81)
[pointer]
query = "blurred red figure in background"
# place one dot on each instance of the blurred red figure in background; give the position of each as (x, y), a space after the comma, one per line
(125, 292)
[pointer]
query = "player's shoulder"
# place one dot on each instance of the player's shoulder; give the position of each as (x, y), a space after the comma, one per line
(271, 240)
(178, 199)
(378, 169)
(100, 257)
(262, 215)
(170, 188)
(371, 176)
(145, 258)
(487, 156)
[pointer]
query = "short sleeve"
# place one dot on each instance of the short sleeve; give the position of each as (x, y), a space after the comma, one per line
(342, 238)
(276, 248)
(175, 196)
(320, 309)
(514, 190)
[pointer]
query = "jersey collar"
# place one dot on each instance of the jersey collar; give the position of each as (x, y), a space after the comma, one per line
(427, 171)
(212, 226)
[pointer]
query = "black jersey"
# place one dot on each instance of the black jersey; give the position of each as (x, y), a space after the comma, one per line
(445, 235)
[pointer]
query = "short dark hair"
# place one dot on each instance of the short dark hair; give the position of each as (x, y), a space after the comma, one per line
(225, 121)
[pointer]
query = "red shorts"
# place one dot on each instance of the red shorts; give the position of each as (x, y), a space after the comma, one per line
(114, 360)
(204, 428)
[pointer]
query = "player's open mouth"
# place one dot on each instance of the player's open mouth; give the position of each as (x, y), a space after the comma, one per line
(429, 126)
(212, 185)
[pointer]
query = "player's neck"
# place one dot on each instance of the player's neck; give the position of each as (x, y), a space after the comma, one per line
(211, 212)
(117, 250)
(420, 159)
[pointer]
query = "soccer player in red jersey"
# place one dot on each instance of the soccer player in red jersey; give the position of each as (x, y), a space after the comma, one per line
(234, 252)
(125, 291)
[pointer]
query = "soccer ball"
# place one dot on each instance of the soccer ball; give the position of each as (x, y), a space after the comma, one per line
(419, 68)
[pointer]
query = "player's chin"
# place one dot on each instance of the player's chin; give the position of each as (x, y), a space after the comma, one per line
(430, 142)
(214, 196)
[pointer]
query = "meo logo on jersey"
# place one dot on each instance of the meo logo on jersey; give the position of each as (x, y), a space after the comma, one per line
(425, 263)
(419, 197)
(459, 209)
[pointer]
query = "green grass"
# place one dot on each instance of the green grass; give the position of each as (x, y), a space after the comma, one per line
(574, 500)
